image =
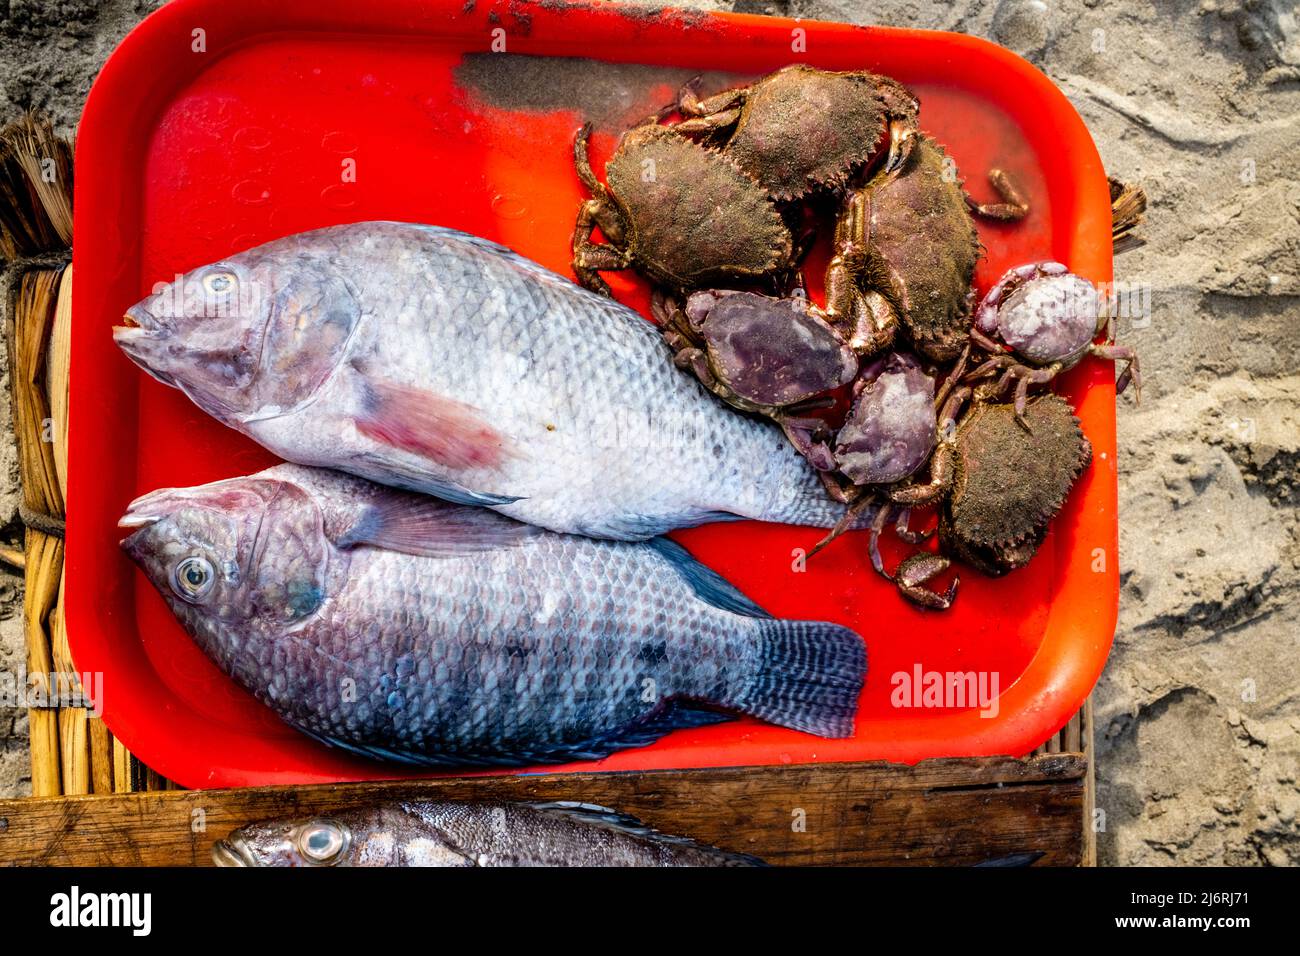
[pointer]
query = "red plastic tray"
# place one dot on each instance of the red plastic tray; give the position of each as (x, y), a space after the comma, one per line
(184, 156)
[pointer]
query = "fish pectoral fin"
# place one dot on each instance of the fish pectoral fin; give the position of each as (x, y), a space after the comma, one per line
(429, 527)
(708, 585)
(447, 432)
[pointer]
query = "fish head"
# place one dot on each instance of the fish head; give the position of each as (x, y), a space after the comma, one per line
(234, 559)
(384, 835)
(316, 841)
(249, 336)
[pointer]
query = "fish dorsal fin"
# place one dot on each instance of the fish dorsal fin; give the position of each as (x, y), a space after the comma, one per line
(707, 584)
(430, 527)
(593, 814)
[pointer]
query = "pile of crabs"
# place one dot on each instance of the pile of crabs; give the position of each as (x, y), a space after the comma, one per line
(948, 405)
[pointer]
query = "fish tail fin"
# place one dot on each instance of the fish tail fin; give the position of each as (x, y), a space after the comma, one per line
(809, 677)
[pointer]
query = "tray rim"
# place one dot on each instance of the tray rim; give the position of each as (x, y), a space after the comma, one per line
(1073, 652)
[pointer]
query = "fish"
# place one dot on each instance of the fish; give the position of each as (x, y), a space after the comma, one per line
(406, 628)
(435, 361)
(432, 833)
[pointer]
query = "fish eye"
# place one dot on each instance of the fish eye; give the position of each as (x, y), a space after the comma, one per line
(321, 841)
(192, 578)
(219, 283)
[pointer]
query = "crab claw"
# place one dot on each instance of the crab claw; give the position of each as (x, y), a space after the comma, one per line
(913, 573)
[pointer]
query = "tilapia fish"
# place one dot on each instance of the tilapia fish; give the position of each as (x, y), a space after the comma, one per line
(420, 833)
(431, 360)
(407, 628)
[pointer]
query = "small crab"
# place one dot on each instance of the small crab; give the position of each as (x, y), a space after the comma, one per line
(771, 356)
(905, 254)
(888, 435)
(890, 429)
(802, 129)
(685, 215)
(1047, 317)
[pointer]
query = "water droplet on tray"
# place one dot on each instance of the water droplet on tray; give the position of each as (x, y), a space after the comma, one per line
(339, 142)
(509, 206)
(340, 196)
(252, 137)
(251, 192)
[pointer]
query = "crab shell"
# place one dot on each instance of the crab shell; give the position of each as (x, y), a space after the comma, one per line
(802, 129)
(922, 236)
(890, 430)
(1009, 483)
(693, 216)
(1044, 312)
(769, 352)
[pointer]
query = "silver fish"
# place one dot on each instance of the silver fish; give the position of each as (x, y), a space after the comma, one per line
(423, 833)
(431, 360)
(406, 628)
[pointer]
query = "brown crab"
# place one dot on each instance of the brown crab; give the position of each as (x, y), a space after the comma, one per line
(685, 215)
(1000, 484)
(905, 254)
(800, 129)
(769, 356)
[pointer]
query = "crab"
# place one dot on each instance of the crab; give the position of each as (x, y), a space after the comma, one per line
(999, 485)
(801, 129)
(685, 215)
(905, 253)
(1047, 318)
(890, 428)
(888, 435)
(770, 356)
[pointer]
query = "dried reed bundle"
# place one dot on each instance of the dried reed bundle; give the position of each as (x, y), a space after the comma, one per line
(1128, 206)
(35, 189)
(71, 750)
(42, 509)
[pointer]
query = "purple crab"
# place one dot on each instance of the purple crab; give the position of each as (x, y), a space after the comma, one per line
(1039, 320)
(770, 356)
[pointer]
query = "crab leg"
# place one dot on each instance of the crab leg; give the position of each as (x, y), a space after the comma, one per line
(949, 383)
(1131, 373)
(847, 521)
(907, 534)
(590, 258)
(987, 344)
(915, 571)
(803, 433)
(1000, 362)
(1013, 206)
(728, 101)
(582, 161)
(941, 464)
(867, 320)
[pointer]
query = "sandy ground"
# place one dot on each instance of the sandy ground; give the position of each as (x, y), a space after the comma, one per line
(1199, 709)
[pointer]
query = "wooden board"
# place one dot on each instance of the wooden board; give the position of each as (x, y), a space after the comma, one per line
(954, 812)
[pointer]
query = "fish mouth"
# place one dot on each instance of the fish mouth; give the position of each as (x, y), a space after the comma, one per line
(136, 524)
(232, 852)
(143, 513)
(139, 336)
(137, 323)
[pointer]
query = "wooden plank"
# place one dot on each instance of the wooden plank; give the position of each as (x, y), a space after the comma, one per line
(101, 756)
(959, 812)
(1089, 857)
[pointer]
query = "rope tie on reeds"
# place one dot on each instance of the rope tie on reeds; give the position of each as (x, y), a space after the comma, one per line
(12, 271)
(38, 521)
